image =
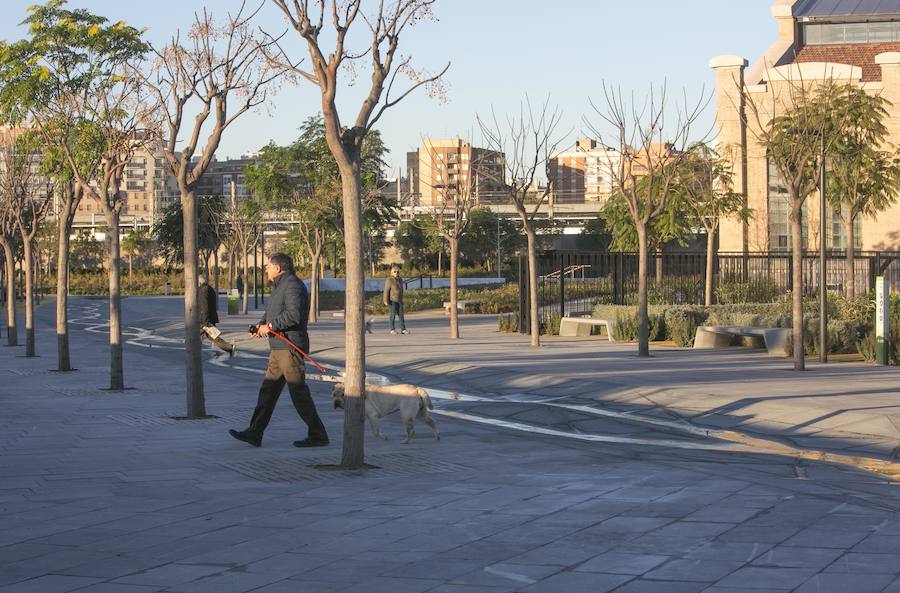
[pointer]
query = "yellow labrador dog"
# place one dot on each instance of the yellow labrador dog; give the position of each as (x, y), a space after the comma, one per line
(412, 402)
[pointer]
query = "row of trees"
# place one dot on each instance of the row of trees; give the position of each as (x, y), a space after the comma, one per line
(90, 94)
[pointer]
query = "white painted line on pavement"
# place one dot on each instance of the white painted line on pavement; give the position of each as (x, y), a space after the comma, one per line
(594, 438)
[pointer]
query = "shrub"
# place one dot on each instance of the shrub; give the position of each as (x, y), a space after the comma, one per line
(866, 346)
(508, 322)
(626, 327)
(550, 324)
(756, 291)
(844, 336)
(682, 324)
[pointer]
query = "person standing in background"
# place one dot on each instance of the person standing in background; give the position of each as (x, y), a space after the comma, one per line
(393, 299)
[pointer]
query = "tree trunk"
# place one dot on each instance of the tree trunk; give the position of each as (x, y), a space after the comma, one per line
(533, 285)
(193, 353)
(850, 282)
(454, 279)
(659, 264)
(643, 277)
(314, 286)
(130, 265)
(12, 334)
(116, 363)
(245, 297)
(710, 255)
(64, 362)
(28, 270)
(797, 284)
(353, 453)
(216, 271)
(231, 266)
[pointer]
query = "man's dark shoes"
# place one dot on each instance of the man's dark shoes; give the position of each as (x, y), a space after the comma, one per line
(308, 442)
(243, 436)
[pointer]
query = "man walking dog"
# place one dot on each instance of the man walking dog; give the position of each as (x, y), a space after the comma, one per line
(287, 313)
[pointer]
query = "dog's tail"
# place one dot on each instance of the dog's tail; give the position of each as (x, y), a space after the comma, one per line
(423, 395)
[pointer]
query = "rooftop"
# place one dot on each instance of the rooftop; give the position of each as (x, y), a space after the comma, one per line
(816, 9)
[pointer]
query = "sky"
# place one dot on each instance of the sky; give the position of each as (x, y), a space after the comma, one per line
(500, 51)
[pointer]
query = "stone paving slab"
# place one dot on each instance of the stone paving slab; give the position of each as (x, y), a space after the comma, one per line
(97, 504)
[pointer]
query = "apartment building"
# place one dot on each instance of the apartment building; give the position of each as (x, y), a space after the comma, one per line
(856, 42)
(584, 173)
(444, 170)
(147, 189)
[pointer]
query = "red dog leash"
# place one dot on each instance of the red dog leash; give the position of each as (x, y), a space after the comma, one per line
(285, 339)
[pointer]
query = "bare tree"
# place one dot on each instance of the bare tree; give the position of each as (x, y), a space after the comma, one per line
(124, 119)
(650, 152)
(27, 199)
(9, 242)
(243, 218)
(456, 197)
(386, 27)
(527, 141)
(797, 122)
(219, 70)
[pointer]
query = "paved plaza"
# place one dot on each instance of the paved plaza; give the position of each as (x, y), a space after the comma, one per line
(573, 468)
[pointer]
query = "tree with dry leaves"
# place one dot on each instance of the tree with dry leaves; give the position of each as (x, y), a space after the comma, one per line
(75, 67)
(650, 152)
(219, 70)
(385, 27)
(526, 142)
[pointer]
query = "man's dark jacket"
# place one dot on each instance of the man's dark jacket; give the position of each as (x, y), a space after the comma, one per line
(288, 312)
(208, 301)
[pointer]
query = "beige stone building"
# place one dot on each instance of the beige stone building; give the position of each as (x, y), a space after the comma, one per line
(584, 173)
(147, 187)
(447, 169)
(851, 41)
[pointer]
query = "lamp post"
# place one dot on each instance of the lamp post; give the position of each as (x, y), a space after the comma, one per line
(823, 264)
(498, 244)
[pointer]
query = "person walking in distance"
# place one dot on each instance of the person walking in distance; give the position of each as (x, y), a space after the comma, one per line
(393, 299)
(208, 301)
(287, 313)
(239, 284)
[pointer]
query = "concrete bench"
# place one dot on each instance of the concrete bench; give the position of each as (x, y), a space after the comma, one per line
(461, 305)
(719, 336)
(581, 326)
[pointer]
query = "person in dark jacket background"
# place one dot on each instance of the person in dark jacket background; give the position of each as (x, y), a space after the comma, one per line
(393, 299)
(287, 313)
(208, 301)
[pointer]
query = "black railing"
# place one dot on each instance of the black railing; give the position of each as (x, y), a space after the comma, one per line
(571, 282)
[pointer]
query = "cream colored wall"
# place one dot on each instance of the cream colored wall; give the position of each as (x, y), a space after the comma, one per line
(880, 233)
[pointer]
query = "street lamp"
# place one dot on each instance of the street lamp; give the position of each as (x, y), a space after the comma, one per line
(823, 264)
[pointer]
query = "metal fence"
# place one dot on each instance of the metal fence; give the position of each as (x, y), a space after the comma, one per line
(572, 282)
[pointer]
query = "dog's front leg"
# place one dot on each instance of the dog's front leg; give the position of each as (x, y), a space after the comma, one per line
(376, 430)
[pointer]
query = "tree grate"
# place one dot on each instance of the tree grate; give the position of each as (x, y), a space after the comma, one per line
(388, 465)
(177, 418)
(28, 372)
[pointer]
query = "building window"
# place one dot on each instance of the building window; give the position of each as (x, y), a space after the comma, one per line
(850, 33)
(837, 237)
